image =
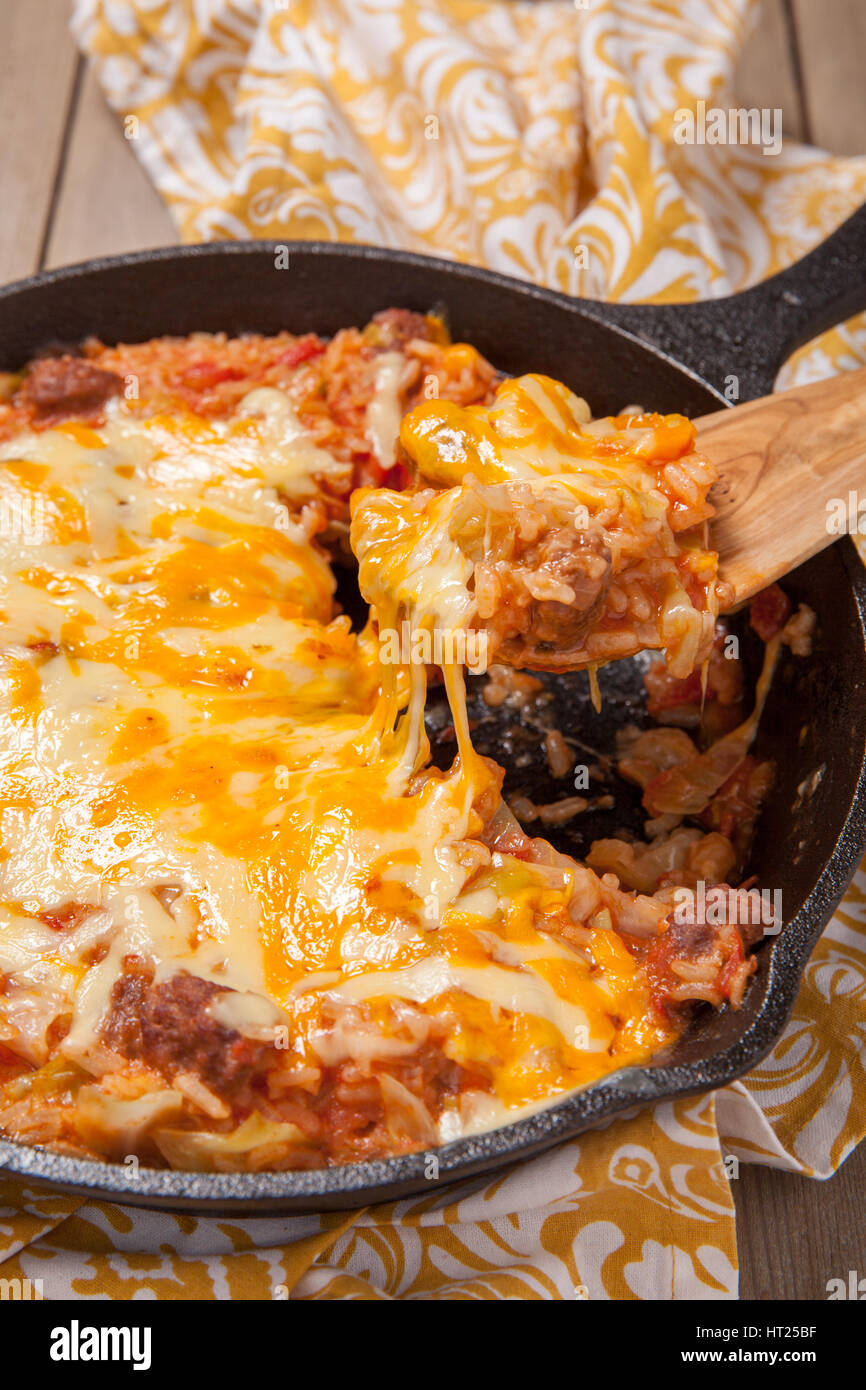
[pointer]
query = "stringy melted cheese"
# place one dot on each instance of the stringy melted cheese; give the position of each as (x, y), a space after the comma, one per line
(197, 747)
(537, 438)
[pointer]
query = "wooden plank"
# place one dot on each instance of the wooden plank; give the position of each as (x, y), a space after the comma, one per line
(38, 61)
(832, 41)
(766, 74)
(795, 1234)
(106, 202)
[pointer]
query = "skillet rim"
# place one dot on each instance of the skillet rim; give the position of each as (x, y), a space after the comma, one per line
(366, 251)
(351, 1185)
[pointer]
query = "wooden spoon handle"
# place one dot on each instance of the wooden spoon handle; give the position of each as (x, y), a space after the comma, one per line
(788, 466)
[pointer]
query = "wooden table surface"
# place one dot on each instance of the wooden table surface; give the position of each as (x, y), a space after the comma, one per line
(71, 188)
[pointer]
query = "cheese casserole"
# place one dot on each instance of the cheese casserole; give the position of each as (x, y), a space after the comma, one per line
(245, 922)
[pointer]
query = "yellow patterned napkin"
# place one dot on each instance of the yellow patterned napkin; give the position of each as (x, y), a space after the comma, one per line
(541, 139)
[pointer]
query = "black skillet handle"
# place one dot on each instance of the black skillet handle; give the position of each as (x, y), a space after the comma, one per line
(738, 343)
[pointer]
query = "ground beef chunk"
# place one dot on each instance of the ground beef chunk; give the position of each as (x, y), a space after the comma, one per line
(354, 1111)
(528, 628)
(540, 578)
(580, 562)
(396, 327)
(57, 387)
(168, 1026)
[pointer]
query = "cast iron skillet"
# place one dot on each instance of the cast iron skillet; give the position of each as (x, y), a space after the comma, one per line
(672, 358)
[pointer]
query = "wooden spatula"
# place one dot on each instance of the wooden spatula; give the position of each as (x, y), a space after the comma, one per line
(789, 465)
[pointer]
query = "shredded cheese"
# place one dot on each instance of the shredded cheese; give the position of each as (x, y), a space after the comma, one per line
(182, 710)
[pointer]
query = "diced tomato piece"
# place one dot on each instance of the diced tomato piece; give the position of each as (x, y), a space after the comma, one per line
(734, 809)
(202, 376)
(768, 612)
(731, 966)
(301, 351)
(668, 692)
(397, 478)
(368, 472)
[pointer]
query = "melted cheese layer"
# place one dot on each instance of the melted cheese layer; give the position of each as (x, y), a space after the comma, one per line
(529, 466)
(200, 751)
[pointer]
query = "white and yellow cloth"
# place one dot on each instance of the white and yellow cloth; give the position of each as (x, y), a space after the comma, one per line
(540, 139)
